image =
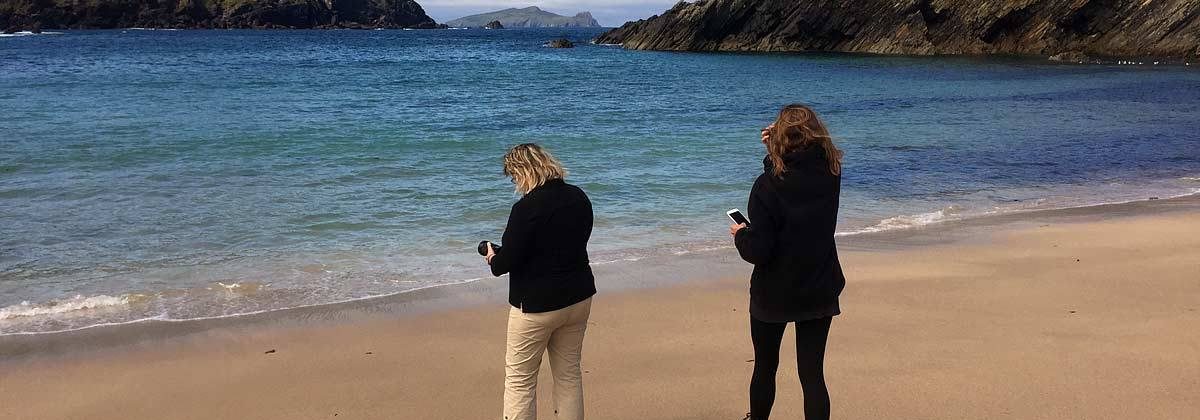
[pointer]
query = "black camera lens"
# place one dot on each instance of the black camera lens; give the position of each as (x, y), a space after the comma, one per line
(482, 248)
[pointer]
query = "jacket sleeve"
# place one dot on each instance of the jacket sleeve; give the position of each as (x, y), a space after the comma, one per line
(756, 244)
(517, 240)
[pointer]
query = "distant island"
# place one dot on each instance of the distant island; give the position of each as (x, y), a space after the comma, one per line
(1067, 30)
(195, 14)
(529, 17)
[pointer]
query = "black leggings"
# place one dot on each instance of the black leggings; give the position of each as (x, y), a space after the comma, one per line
(810, 362)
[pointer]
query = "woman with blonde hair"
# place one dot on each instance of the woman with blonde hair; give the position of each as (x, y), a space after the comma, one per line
(550, 283)
(797, 276)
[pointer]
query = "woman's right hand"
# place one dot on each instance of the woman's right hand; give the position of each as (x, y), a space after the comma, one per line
(766, 133)
(491, 253)
(733, 229)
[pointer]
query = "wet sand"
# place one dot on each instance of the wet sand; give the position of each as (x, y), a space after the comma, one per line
(1084, 314)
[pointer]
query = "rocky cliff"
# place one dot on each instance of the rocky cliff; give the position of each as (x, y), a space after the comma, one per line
(1062, 28)
(102, 14)
(529, 17)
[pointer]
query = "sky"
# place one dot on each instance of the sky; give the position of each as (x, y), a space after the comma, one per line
(607, 12)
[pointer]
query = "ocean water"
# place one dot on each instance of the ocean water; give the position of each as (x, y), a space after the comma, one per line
(194, 174)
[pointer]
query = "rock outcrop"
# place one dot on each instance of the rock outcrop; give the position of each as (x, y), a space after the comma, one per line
(104, 14)
(561, 43)
(529, 17)
(1072, 29)
(495, 24)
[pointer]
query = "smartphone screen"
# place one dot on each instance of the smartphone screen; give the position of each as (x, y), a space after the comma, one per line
(737, 217)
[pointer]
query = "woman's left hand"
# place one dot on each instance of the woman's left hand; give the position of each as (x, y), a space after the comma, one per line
(491, 253)
(733, 229)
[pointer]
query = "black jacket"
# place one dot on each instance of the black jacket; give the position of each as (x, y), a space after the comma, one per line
(545, 249)
(797, 276)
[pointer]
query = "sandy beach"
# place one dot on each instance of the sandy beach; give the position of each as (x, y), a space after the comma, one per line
(1054, 317)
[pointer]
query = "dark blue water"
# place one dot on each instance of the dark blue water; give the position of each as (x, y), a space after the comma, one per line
(183, 174)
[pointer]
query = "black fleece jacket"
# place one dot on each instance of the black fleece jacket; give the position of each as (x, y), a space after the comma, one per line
(797, 275)
(545, 249)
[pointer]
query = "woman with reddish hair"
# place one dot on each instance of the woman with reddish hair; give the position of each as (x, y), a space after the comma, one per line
(797, 276)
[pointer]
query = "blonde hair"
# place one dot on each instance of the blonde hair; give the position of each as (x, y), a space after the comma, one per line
(798, 126)
(530, 166)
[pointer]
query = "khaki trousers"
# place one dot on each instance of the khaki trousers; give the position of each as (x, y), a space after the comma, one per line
(529, 335)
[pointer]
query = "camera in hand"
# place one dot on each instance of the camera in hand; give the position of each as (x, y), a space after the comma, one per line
(483, 248)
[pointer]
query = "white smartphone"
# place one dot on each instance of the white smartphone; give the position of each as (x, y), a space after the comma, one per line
(736, 216)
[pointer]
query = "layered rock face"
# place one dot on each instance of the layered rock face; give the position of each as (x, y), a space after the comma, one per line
(1096, 28)
(103, 14)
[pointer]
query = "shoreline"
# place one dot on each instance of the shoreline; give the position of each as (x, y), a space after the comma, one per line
(1061, 58)
(263, 285)
(1082, 314)
(622, 276)
(895, 227)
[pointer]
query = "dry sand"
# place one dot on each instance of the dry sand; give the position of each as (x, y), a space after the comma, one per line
(1058, 320)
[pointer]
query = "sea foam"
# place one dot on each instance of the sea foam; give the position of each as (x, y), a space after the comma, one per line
(908, 221)
(63, 306)
(27, 33)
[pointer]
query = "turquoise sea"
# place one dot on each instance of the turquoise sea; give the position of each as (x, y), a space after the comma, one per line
(194, 174)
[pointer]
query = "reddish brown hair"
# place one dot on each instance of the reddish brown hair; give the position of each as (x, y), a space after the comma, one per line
(798, 126)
